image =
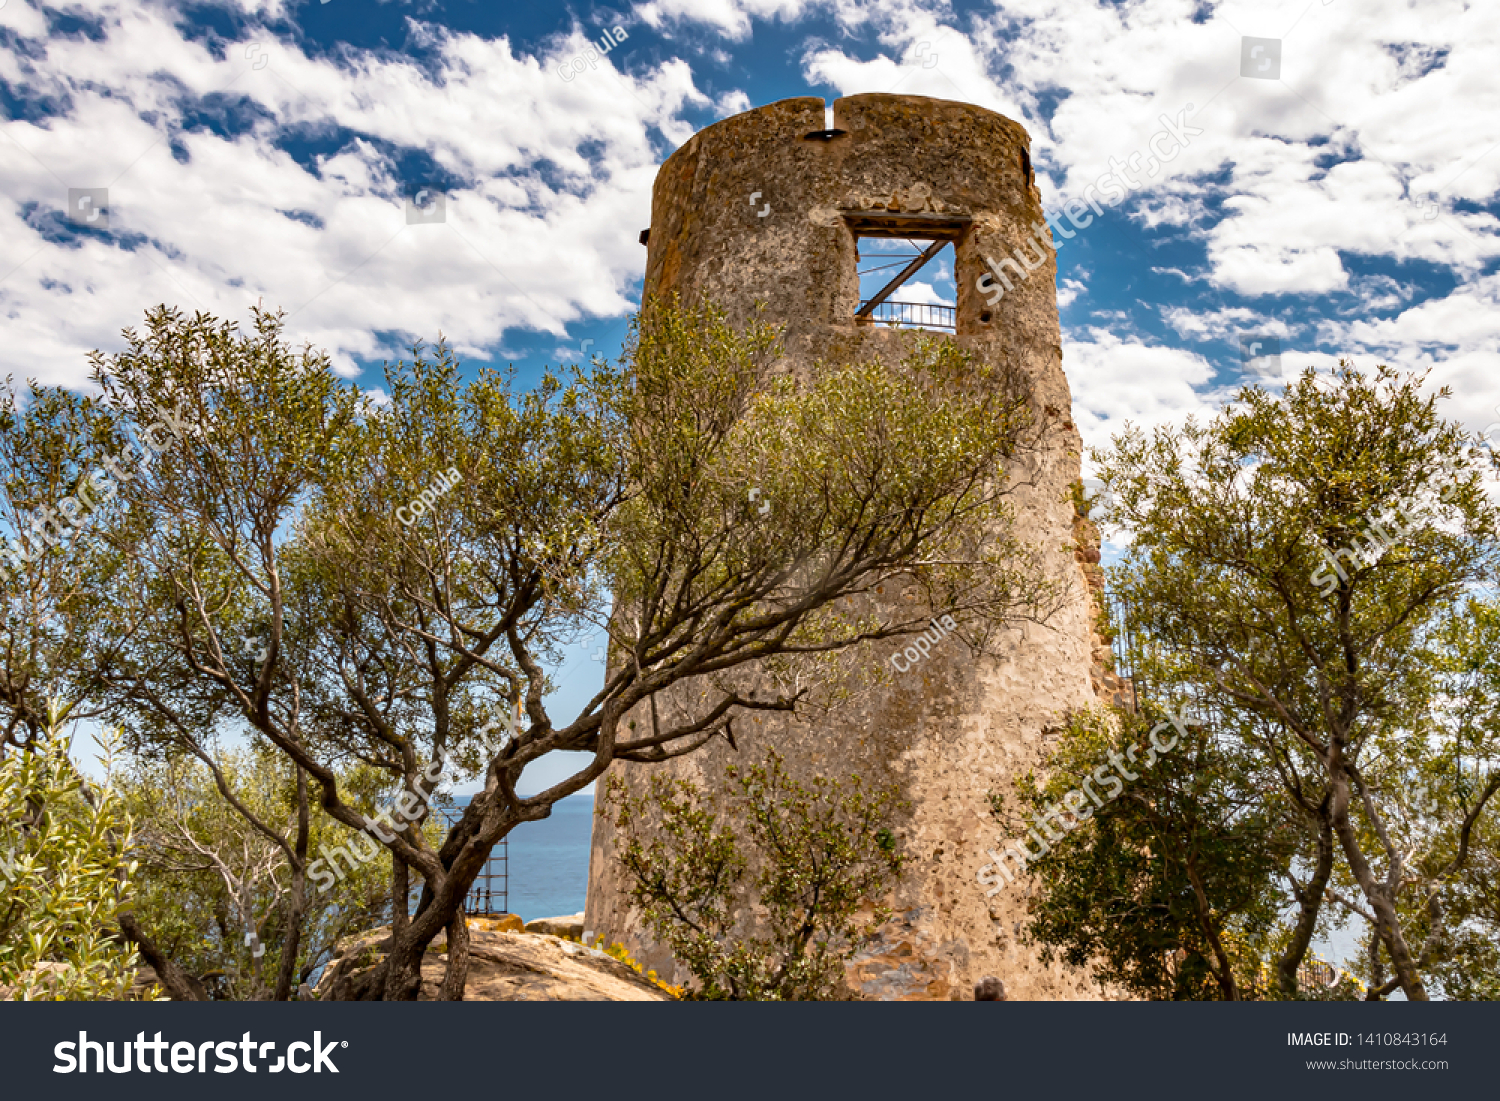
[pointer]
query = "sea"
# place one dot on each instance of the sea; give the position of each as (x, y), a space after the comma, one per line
(549, 861)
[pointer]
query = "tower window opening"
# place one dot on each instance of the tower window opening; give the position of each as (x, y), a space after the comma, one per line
(906, 266)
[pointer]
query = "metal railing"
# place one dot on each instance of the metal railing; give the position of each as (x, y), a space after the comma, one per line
(1125, 644)
(1129, 644)
(915, 315)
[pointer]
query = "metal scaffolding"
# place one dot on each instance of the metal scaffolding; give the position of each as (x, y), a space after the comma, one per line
(489, 894)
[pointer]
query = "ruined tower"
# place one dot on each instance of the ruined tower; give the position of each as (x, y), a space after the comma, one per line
(769, 206)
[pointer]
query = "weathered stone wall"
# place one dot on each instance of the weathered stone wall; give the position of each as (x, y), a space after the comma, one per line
(955, 727)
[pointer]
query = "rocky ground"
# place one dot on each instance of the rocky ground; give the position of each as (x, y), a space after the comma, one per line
(509, 962)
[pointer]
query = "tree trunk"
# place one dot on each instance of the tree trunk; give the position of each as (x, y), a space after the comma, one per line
(399, 976)
(442, 904)
(403, 976)
(400, 895)
(291, 945)
(296, 905)
(181, 986)
(1387, 921)
(403, 968)
(1311, 903)
(457, 975)
(1224, 972)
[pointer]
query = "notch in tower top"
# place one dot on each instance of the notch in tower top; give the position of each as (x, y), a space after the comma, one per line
(828, 133)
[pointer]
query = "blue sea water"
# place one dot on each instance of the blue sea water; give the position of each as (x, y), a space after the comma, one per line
(549, 861)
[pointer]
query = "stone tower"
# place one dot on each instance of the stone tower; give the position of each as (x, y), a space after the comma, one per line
(955, 727)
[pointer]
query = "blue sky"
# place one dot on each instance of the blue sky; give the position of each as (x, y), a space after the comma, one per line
(1341, 197)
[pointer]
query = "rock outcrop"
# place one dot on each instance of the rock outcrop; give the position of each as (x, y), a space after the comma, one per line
(504, 967)
(570, 926)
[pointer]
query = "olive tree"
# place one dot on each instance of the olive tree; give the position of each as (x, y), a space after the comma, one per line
(1299, 564)
(1166, 882)
(65, 872)
(807, 857)
(61, 461)
(215, 841)
(389, 582)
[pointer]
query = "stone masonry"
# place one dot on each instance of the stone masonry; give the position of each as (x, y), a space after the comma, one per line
(955, 727)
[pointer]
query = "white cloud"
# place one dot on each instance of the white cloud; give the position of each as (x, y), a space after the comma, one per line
(1381, 292)
(1184, 276)
(1377, 106)
(1068, 293)
(1386, 119)
(731, 17)
(1222, 324)
(923, 294)
(1115, 381)
(732, 103)
(1469, 317)
(540, 232)
(1456, 337)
